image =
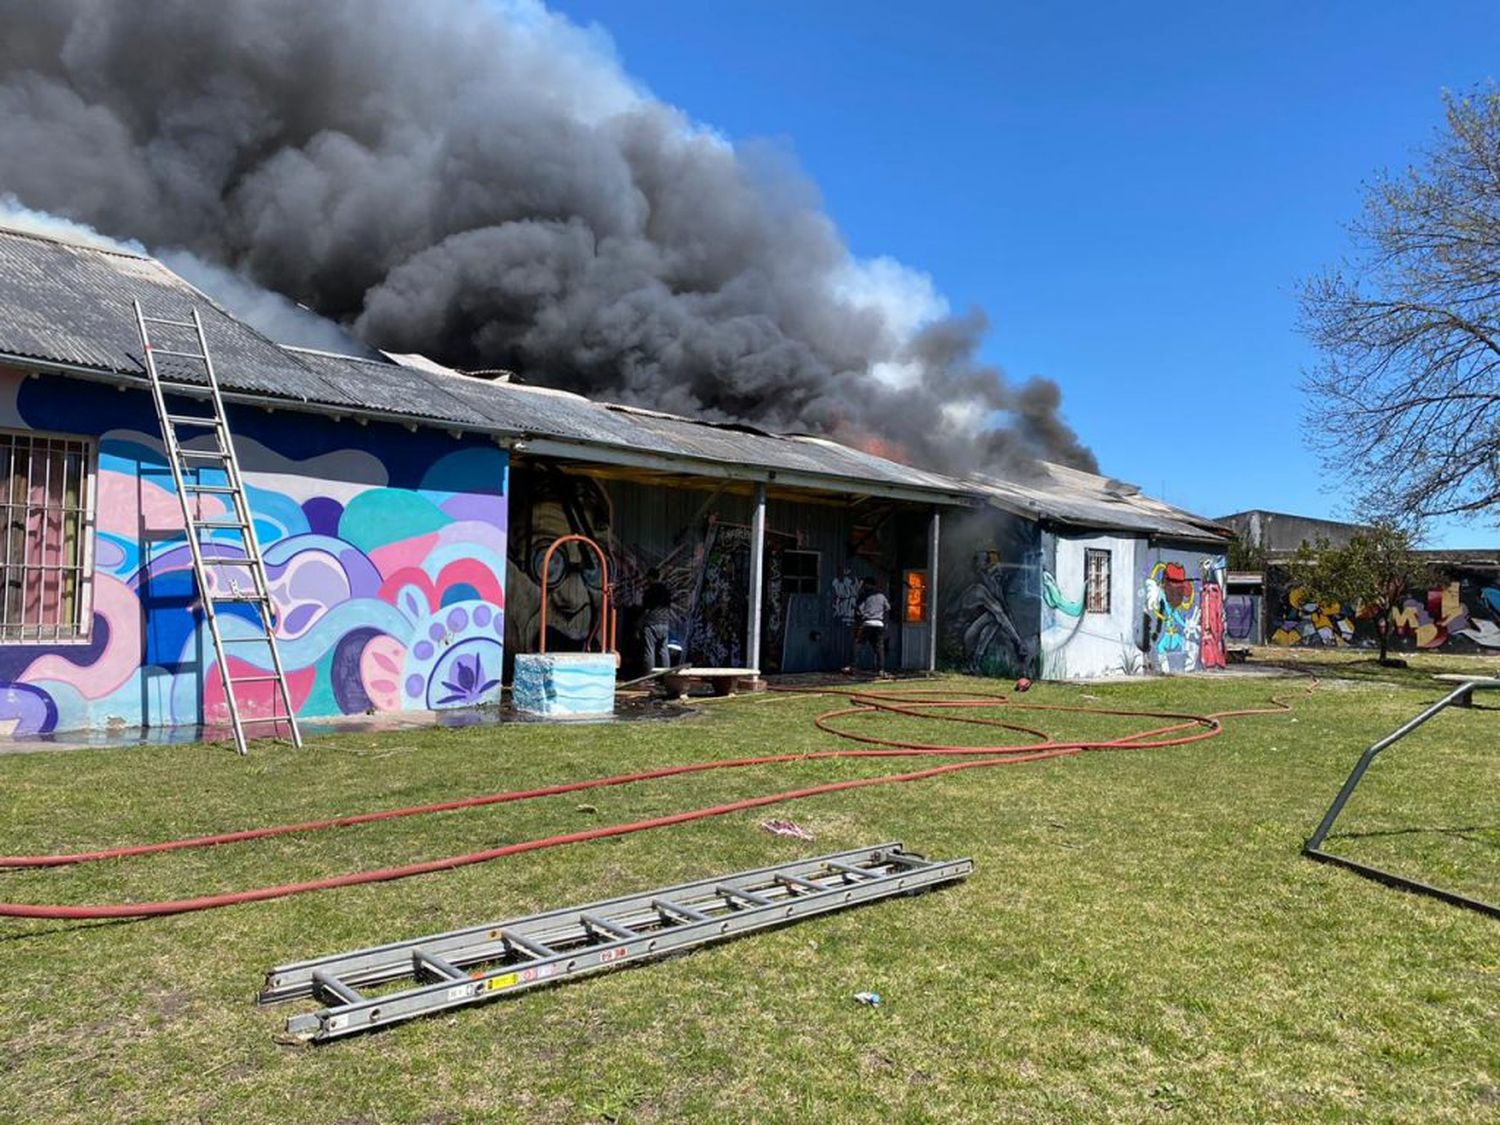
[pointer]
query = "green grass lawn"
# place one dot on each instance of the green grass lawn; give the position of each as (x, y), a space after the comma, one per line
(1140, 938)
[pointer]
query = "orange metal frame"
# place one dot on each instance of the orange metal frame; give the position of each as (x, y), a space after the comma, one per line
(606, 623)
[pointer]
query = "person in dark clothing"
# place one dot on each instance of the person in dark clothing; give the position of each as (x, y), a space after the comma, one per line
(656, 621)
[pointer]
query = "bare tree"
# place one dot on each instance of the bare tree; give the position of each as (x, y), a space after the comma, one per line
(1406, 397)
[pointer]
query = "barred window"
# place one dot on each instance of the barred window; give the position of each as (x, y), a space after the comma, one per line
(46, 490)
(1096, 581)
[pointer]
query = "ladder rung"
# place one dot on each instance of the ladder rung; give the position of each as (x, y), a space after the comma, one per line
(223, 488)
(798, 881)
(265, 719)
(748, 896)
(191, 420)
(254, 679)
(535, 948)
(259, 638)
(165, 320)
(594, 922)
(667, 906)
(206, 454)
(199, 356)
(422, 959)
(179, 387)
(330, 983)
(857, 872)
(220, 523)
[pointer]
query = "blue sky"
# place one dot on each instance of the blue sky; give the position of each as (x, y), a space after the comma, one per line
(1130, 191)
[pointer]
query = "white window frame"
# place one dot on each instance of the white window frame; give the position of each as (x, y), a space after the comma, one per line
(80, 632)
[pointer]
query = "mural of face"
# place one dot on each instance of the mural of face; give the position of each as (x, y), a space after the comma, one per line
(547, 506)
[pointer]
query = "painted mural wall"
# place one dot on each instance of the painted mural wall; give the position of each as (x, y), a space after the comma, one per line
(1077, 642)
(385, 551)
(1459, 613)
(1013, 601)
(697, 540)
(1183, 609)
(990, 582)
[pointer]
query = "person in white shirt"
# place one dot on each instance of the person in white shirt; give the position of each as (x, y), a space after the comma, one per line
(871, 611)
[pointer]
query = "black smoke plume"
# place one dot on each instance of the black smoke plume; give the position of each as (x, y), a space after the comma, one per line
(481, 182)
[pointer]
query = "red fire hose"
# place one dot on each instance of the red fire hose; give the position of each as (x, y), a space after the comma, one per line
(909, 705)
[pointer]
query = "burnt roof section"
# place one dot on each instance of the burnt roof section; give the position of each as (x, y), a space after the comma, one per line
(68, 306)
(1056, 494)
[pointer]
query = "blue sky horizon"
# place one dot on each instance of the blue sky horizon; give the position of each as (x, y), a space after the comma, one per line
(1130, 196)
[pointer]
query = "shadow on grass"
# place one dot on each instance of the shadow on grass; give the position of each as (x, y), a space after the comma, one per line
(1456, 832)
(70, 926)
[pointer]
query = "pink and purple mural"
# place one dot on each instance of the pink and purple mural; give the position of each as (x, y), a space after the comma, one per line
(385, 549)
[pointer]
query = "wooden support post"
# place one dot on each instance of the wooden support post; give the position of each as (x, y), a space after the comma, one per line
(932, 589)
(757, 576)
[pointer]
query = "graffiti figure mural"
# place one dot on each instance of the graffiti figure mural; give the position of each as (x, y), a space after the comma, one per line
(1172, 617)
(991, 643)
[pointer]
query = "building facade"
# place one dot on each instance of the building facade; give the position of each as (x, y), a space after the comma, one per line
(1071, 575)
(385, 551)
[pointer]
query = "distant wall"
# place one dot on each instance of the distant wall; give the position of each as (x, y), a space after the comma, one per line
(1459, 613)
(1278, 532)
(698, 539)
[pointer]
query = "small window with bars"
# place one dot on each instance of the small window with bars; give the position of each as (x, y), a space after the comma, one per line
(47, 493)
(1096, 581)
(799, 572)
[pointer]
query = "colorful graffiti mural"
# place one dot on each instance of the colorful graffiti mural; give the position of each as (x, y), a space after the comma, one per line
(385, 559)
(1185, 615)
(1462, 614)
(1172, 617)
(1311, 623)
(1429, 622)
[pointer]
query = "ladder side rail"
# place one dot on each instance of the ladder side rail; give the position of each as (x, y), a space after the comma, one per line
(394, 1007)
(487, 944)
(252, 541)
(174, 462)
(535, 925)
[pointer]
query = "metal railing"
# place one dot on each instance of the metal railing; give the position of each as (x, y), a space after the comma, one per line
(1460, 696)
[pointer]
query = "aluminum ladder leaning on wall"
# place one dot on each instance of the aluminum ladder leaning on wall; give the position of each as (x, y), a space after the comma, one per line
(220, 578)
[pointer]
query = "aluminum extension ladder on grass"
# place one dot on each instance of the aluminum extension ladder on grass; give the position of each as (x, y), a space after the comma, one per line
(468, 966)
(243, 578)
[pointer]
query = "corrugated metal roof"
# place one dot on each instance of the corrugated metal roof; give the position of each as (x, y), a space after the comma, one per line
(1059, 494)
(70, 304)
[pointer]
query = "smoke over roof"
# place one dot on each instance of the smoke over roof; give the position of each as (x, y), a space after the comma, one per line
(484, 184)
